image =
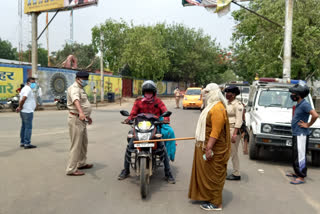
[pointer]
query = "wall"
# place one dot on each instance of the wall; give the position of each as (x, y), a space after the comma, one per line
(55, 81)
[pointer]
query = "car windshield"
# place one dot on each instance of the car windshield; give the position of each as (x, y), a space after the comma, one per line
(245, 90)
(274, 98)
(193, 92)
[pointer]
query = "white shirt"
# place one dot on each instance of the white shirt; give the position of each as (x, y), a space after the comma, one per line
(30, 103)
(39, 92)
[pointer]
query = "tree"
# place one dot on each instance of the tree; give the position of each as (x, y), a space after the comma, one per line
(42, 55)
(7, 51)
(258, 45)
(170, 52)
(113, 39)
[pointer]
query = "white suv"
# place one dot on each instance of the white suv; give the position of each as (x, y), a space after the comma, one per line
(268, 120)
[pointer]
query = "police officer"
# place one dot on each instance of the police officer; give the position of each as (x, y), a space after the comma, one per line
(235, 111)
(79, 116)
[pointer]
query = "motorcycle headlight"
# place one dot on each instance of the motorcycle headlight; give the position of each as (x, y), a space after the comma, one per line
(266, 128)
(15, 99)
(316, 133)
(144, 136)
(144, 125)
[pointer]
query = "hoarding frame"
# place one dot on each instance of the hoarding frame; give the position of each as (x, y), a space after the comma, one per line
(38, 6)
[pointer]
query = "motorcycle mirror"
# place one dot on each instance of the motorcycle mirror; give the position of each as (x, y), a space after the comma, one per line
(166, 114)
(124, 113)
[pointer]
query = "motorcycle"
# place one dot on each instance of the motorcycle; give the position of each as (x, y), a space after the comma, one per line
(2, 106)
(145, 158)
(61, 102)
(13, 102)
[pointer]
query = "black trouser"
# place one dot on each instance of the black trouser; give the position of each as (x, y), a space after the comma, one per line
(161, 146)
(299, 155)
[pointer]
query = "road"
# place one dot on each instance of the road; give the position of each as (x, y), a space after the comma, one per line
(34, 181)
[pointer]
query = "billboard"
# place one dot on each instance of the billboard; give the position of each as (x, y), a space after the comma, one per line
(10, 80)
(53, 5)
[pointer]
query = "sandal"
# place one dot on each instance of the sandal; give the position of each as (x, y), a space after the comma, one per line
(297, 182)
(291, 175)
(77, 173)
(87, 166)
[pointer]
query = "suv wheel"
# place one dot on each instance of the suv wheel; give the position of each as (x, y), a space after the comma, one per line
(253, 148)
(315, 157)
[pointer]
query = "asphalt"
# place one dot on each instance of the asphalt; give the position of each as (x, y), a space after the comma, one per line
(34, 181)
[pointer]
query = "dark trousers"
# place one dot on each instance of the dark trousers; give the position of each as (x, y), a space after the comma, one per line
(160, 146)
(299, 155)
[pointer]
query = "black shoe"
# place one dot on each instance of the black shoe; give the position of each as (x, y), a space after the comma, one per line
(21, 145)
(124, 174)
(233, 177)
(170, 178)
(30, 146)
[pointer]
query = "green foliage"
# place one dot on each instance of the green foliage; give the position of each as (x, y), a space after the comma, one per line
(85, 55)
(7, 51)
(171, 52)
(113, 39)
(258, 45)
(42, 55)
(144, 53)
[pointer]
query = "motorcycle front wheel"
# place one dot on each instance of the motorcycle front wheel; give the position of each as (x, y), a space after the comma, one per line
(59, 106)
(144, 177)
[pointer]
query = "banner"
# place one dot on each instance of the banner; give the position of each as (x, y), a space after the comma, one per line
(53, 5)
(10, 80)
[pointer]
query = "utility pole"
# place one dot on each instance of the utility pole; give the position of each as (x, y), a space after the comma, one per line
(47, 20)
(34, 44)
(288, 41)
(71, 26)
(101, 70)
(20, 30)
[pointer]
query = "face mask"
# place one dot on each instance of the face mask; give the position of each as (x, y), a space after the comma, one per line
(84, 83)
(294, 98)
(33, 85)
(229, 96)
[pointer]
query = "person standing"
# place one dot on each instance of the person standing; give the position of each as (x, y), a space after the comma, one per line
(79, 115)
(94, 95)
(212, 151)
(27, 105)
(177, 95)
(39, 96)
(300, 131)
(235, 113)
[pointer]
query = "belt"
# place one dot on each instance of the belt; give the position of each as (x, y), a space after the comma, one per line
(75, 114)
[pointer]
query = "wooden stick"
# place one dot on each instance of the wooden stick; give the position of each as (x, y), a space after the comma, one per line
(163, 140)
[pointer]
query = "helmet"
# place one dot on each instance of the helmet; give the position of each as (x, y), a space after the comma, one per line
(300, 89)
(149, 85)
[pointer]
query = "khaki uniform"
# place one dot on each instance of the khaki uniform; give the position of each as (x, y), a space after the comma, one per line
(235, 112)
(177, 96)
(77, 128)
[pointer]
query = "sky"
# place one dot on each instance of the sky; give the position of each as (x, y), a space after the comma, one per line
(147, 12)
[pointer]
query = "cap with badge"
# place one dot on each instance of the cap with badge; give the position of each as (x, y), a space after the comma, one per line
(82, 74)
(232, 89)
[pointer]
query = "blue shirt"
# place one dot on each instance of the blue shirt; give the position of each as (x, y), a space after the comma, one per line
(302, 112)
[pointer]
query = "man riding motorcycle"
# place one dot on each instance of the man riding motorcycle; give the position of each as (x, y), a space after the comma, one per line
(153, 105)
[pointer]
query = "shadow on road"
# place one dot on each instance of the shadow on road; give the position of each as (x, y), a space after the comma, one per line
(281, 158)
(93, 171)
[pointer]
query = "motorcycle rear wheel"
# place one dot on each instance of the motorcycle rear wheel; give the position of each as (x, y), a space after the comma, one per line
(144, 177)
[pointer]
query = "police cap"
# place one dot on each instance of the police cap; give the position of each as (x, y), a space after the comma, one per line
(232, 89)
(82, 74)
